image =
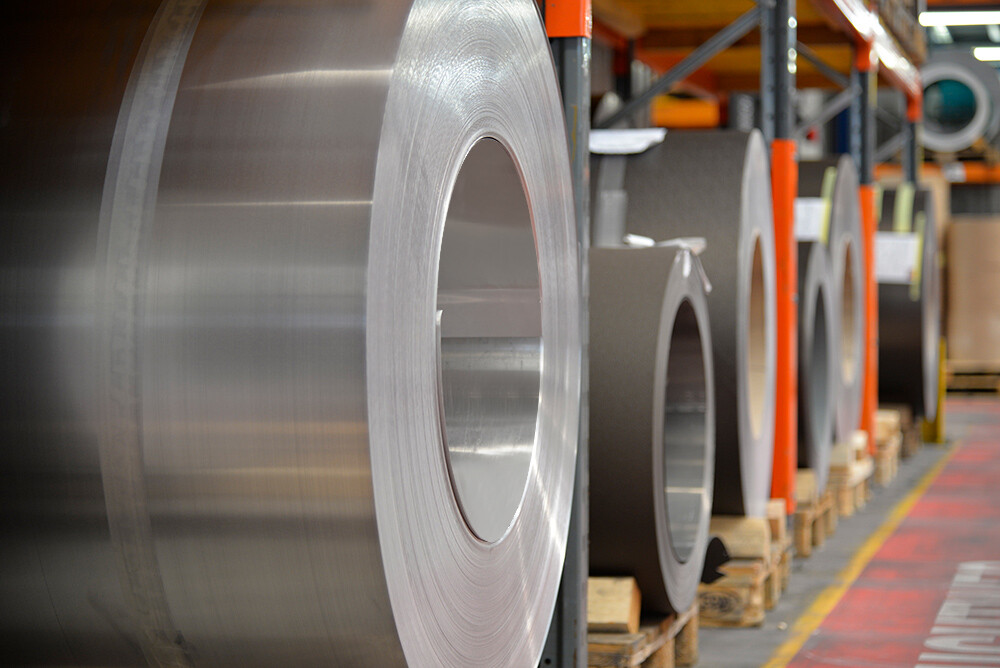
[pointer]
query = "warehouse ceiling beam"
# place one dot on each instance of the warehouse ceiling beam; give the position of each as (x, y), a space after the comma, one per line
(718, 42)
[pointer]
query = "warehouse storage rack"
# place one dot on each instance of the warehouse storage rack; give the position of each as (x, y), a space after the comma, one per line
(814, 43)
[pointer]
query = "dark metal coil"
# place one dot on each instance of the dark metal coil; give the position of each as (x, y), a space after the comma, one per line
(717, 185)
(910, 313)
(652, 421)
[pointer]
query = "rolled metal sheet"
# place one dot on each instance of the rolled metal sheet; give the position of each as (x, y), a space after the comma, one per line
(846, 247)
(235, 235)
(717, 185)
(652, 421)
(961, 101)
(910, 312)
(818, 362)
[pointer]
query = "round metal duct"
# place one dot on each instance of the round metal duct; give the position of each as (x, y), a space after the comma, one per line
(293, 334)
(717, 185)
(818, 362)
(909, 307)
(961, 101)
(846, 247)
(652, 421)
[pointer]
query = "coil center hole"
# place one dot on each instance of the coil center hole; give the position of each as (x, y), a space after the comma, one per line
(847, 343)
(685, 423)
(490, 334)
(819, 371)
(757, 341)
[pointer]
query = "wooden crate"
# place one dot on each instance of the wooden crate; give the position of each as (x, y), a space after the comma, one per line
(815, 514)
(662, 642)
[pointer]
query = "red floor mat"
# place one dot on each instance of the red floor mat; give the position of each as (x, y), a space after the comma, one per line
(930, 597)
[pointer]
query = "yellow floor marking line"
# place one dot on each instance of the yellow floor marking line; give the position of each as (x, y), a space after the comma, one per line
(828, 599)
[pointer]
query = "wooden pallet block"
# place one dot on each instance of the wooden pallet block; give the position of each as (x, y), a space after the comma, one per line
(662, 642)
(778, 575)
(613, 605)
(887, 460)
(888, 425)
(781, 553)
(851, 485)
(815, 516)
(909, 429)
(737, 599)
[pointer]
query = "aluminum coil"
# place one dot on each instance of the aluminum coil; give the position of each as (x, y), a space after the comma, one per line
(910, 313)
(292, 356)
(717, 185)
(846, 246)
(818, 361)
(961, 101)
(652, 421)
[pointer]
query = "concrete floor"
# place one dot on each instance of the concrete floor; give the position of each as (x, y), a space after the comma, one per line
(753, 647)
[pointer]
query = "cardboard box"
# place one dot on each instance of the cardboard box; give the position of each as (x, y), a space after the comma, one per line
(974, 293)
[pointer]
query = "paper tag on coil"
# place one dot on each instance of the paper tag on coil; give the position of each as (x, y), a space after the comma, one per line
(810, 217)
(896, 256)
(625, 141)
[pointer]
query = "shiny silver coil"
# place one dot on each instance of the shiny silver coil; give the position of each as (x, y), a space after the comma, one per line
(846, 247)
(818, 362)
(716, 185)
(652, 421)
(292, 329)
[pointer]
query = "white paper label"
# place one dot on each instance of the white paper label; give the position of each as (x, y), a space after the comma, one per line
(809, 218)
(625, 142)
(895, 257)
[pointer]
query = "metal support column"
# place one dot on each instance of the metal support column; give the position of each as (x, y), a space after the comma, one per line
(911, 159)
(569, 29)
(862, 143)
(778, 68)
(861, 120)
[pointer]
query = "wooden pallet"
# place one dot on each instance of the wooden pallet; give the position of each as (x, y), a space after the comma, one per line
(738, 598)
(781, 553)
(987, 381)
(908, 428)
(662, 642)
(754, 579)
(781, 569)
(851, 471)
(816, 514)
(887, 460)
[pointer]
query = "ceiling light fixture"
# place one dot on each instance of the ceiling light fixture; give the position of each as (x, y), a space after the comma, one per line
(965, 18)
